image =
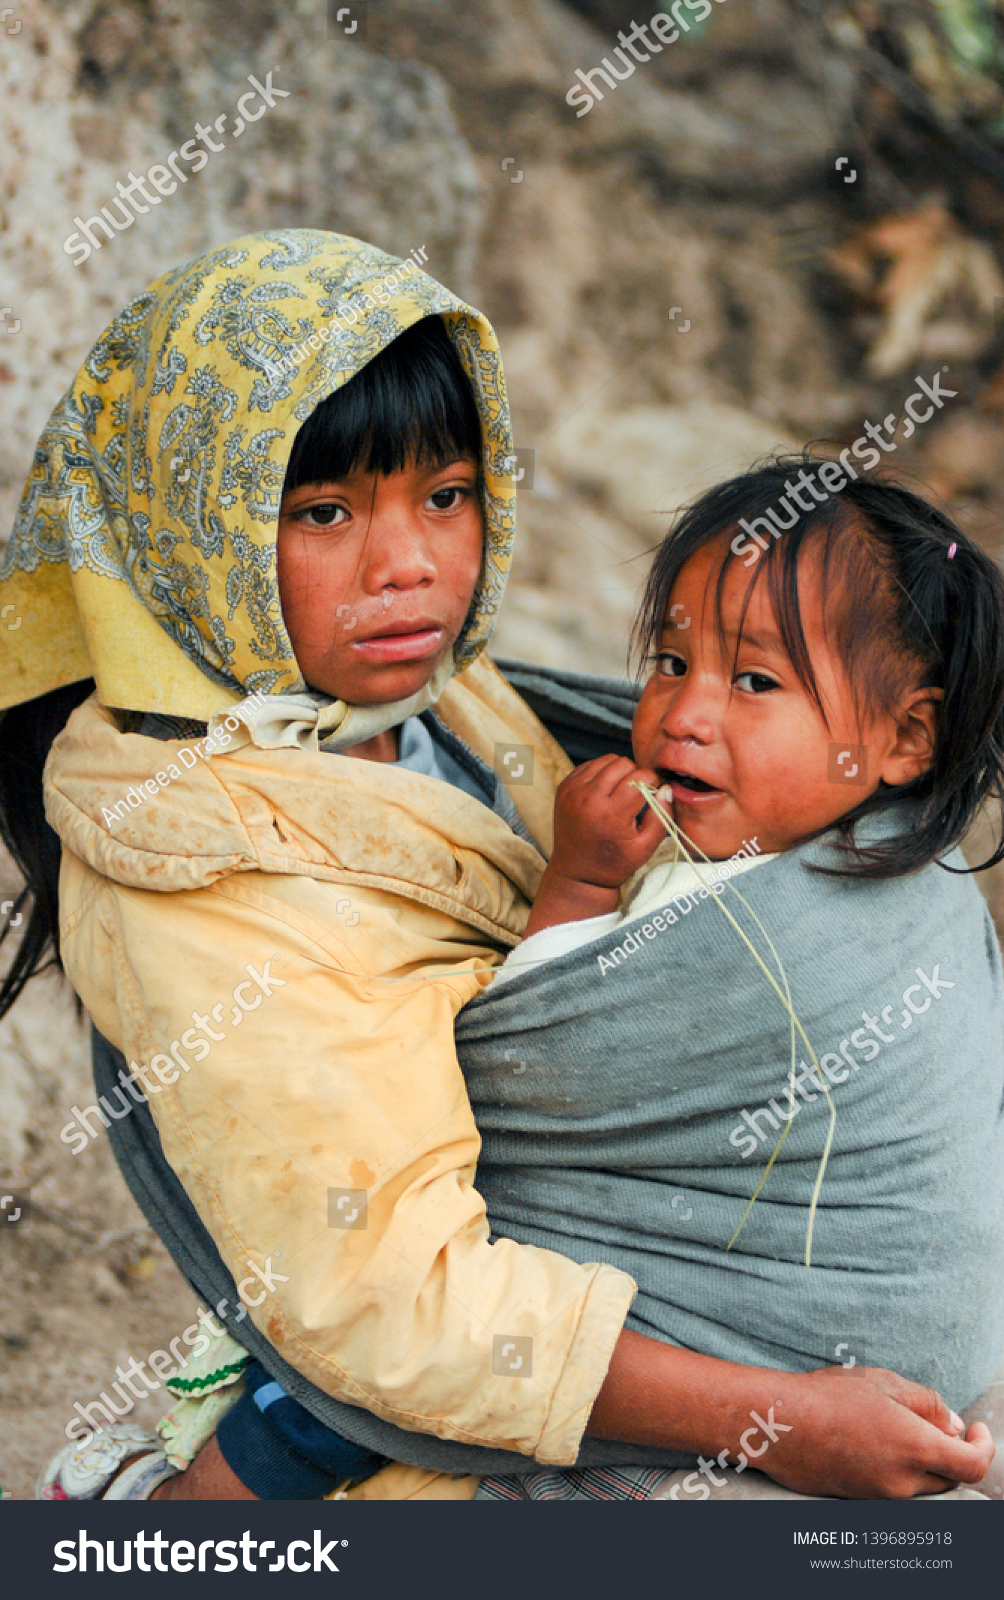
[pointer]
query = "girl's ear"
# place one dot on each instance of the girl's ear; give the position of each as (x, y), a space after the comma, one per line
(911, 749)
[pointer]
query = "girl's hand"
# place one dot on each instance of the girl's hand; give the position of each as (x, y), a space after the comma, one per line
(863, 1433)
(603, 832)
(603, 829)
(859, 1433)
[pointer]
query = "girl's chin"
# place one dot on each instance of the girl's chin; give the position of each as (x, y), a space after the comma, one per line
(698, 812)
(707, 833)
(383, 686)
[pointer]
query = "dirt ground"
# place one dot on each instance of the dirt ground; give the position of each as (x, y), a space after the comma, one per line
(85, 1284)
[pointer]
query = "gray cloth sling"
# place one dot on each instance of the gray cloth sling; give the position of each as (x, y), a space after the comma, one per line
(627, 1113)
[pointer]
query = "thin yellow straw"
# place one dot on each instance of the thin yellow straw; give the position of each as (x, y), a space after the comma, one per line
(678, 835)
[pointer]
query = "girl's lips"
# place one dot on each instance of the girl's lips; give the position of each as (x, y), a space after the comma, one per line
(683, 794)
(395, 647)
(693, 797)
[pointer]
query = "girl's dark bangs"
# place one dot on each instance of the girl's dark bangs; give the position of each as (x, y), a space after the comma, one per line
(779, 570)
(714, 516)
(823, 526)
(412, 404)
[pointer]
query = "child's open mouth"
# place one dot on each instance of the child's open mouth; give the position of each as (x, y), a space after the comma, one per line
(686, 787)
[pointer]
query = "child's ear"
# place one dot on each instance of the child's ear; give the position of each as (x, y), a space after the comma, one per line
(912, 749)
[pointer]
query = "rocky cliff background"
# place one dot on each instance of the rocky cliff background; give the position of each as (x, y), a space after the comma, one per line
(682, 279)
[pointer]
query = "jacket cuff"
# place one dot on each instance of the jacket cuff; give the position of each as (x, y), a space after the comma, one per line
(606, 1305)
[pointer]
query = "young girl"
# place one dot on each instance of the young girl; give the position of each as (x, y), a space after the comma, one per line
(722, 1083)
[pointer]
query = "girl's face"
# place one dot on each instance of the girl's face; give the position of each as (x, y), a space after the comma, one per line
(376, 575)
(744, 747)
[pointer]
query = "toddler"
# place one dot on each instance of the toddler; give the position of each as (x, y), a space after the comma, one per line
(717, 1082)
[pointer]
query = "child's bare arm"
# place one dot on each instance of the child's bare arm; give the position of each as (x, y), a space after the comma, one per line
(860, 1433)
(603, 832)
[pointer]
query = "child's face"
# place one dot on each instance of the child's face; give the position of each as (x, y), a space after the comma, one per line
(376, 575)
(751, 732)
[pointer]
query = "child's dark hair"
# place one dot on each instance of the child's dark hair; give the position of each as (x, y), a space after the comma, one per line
(411, 403)
(911, 602)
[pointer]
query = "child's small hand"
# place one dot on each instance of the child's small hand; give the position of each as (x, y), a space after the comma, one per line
(603, 832)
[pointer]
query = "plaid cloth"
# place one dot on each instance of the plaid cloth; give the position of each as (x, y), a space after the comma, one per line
(594, 1483)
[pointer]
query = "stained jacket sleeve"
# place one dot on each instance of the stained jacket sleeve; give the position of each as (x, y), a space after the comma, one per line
(297, 1045)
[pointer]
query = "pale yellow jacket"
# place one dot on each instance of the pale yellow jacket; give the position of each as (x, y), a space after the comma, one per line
(326, 918)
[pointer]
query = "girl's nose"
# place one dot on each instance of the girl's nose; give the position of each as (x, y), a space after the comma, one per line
(396, 554)
(693, 714)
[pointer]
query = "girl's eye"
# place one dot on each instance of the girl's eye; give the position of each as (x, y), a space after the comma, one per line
(756, 682)
(446, 499)
(670, 665)
(324, 516)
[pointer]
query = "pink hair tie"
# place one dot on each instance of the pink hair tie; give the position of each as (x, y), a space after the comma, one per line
(951, 550)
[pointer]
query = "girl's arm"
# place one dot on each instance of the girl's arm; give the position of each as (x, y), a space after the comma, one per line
(860, 1433)
(302, 1062)
(865, 1434)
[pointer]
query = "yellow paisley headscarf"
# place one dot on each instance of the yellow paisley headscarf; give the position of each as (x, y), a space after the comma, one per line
(143, 553)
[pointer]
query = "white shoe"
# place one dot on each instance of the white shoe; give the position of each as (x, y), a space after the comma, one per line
(82, 1471)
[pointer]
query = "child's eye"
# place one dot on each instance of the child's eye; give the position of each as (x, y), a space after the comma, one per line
(447, 499)
(670, 665)
(324, 516)
(756, 682)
